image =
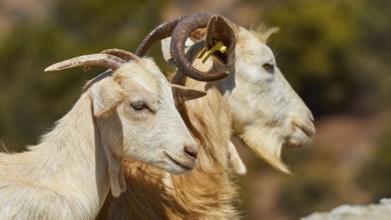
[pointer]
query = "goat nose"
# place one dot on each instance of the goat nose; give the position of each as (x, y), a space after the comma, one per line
(191, 151)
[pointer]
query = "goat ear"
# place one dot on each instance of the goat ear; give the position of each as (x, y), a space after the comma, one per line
(186, 94)
(105, 97)
(220, 29)
(116, 178)
(115, 173)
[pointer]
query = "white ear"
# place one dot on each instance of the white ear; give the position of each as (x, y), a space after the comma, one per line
(165, 43)
(121, 178)
(116, 175)
(105, 97)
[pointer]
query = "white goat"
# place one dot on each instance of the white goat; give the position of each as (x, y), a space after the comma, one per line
(126, 114)
(253, 102)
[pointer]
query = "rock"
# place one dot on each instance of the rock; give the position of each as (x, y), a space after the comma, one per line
(381, 211)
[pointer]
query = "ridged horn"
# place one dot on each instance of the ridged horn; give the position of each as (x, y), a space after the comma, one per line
(104, 60)
(123, 54)
(181, 32)
(160, 32)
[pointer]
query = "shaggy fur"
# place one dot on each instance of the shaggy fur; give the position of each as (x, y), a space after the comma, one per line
(204, 193)
(253, 104)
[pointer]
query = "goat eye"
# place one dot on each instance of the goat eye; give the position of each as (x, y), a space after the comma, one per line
(138, 105)
(268, 67)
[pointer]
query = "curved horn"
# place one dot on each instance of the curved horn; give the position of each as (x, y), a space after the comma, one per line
(181, 32)
(105, 60)
(160, 32)
(123, 54)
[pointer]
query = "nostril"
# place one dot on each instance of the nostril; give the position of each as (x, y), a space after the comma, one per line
(191, 151)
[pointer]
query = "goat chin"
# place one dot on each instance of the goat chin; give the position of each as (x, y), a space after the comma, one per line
(267, 147)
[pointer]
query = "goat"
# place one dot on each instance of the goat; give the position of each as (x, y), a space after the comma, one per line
(247, 97)
(128, 113)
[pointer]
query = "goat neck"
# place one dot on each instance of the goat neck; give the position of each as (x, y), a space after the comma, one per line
(63, 177)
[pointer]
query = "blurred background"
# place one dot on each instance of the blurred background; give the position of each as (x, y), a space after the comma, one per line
(335, 53)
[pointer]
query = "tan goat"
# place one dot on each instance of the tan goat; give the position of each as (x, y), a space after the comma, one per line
(250, 100)
(129, 113)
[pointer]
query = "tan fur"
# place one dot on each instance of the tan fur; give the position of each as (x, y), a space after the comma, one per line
(251, 104)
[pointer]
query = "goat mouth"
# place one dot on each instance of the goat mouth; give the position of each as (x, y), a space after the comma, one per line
(307, 128)
(297, 141)
(301, 135)
(183, 166)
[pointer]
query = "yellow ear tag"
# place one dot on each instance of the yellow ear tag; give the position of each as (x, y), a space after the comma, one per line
(204, 54)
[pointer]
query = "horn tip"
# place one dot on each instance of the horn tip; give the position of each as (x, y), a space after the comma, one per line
(223, 75)
(57, 67)
(50, 68)
(53, 68)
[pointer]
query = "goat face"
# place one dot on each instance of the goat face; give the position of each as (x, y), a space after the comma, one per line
(267, 112)
(137, 118)
(135, 112)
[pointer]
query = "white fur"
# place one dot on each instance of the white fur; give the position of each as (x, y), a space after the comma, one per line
(266, 112)
(70, 172)
(252, 104)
